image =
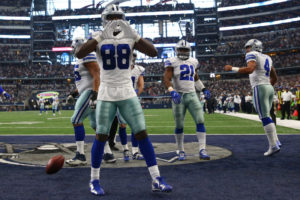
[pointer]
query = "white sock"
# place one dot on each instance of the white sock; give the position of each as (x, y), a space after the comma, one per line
(125, 147)
(107, 148)
(270, 131)
(80, 146)
(179, 141)
(201, 140)
(135, 150)
(154, 172)
(95, 173)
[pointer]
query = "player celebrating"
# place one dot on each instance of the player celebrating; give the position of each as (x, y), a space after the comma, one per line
(182, 71)
(87, 80)
(262, 76)
(137, 77)
(114, 47)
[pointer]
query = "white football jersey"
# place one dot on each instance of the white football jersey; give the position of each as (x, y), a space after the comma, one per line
(115, 57)
(183, 73)
(41, 101)
(83, 78)
(55, 100)
(261, 75)
(136, 72)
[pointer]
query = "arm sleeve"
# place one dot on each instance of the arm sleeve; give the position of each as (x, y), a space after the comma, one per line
(91, 57)
(251, 56)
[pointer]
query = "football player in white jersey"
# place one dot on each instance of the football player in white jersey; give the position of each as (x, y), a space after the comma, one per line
(54, 104)
(181, 70)
(137, 77)
(4, 93)
(42, 105)
(262, 77)
(114, 47)
(87, 80)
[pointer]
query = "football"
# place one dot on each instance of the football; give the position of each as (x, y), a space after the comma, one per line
(55, 164)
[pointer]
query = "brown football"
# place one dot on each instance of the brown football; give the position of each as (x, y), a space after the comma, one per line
(55, 164)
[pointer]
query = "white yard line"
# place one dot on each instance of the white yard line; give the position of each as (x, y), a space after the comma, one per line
(286, 123)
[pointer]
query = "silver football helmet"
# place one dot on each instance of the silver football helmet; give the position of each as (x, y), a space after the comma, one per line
(255, 45)
(183, 49)
(112, 9)
(78, 41)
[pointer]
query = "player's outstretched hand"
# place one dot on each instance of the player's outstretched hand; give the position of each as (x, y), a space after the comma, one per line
(176, 97)
(206, 93)
(7, 96)
(93, 100)
(228, 68)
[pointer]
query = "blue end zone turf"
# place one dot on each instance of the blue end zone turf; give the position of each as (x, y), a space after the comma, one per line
(245, 175)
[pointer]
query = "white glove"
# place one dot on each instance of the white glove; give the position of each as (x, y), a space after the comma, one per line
(120, 26)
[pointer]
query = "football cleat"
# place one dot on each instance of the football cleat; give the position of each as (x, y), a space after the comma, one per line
(95, 188)
(182, 156)
(137, 156)
(109, 158)
(271, 151)
(78, 160)
(159, 185)
(203, 155)
(278, 143)
(126, 155)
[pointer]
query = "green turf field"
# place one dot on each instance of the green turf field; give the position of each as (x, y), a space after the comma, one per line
(158, 121)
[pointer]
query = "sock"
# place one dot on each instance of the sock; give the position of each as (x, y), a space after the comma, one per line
(53, 111)
(123, 135)
(135, 150)
(97, 153)
(40, 110)
(125, 147)
(201, 135)
(154, 172)
(107, 148)
(179, 137)
(147, 151)
(270, 131)
(95, 173)
(134, 141)
(80, 146)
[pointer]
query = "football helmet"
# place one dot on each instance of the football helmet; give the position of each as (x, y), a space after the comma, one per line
(183, 49)
(78, 41)
(255, 45)
(112, 9)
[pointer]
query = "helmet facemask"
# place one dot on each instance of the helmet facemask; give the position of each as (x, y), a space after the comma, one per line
(112, 12)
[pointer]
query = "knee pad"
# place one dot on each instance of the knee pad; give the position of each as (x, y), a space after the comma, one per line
(266, 121)
(200, 128)
(102, 137)
(141, 135)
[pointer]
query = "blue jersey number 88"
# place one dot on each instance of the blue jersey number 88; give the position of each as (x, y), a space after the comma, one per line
(108, 55)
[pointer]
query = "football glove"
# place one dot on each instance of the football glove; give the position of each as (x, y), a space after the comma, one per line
(7, 96)
(206, 93)
(128, 31)
(74, 94)
(176, 98)
(93, 100)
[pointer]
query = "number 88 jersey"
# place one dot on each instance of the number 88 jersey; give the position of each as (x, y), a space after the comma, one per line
(115, 57)
(261, 74)
(183, 73)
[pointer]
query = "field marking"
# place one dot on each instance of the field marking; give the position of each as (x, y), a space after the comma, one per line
(19, 164)
(151, 115)
(20, 123)
(58, 118)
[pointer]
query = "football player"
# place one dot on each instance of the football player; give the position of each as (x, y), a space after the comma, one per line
(114, 47)
(4, 93)
(262, 77)
(55, 102)
(87, 80)
(137, 77)
(42, 105)
(181, 70)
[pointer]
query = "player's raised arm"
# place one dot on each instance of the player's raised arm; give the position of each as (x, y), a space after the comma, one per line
(88, 47)
(251, 65)
(273, 76)
(146, 47)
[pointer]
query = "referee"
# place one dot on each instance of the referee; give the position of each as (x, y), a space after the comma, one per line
(286, 99)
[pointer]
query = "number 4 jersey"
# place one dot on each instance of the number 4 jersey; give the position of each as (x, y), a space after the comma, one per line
(261, 74)
(183, 73)
(83, 78)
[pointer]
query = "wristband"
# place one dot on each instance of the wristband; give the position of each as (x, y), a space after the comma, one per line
(138, 37)
(98, 38)
(235, 69)
(170, 89)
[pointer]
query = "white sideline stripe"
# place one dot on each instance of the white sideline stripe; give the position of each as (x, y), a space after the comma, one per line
(20, 123)
(19, 164)
(58, 118)
(286, 123)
